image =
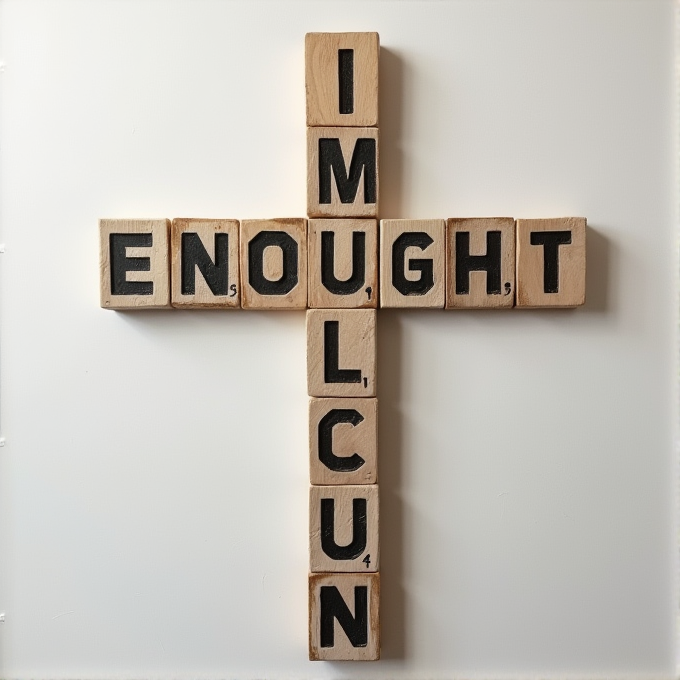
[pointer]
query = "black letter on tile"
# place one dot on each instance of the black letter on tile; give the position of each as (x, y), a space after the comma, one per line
(331, 357)
(346, 80)
(489, 263)
(356, 280)
(326, 424)
(194, 254)
(358, 543)
(426, 281)
(289, 248)
(332, 607)
(121, 264)
(363, 159)
(551, 242)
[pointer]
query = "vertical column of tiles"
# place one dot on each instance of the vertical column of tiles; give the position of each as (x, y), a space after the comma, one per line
(341, 72)
(341, 77)
(344, 497)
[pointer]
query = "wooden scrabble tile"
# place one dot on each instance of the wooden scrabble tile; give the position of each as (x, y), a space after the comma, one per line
(480, 262)
(341, 78)
(343, 441)
(343, 528)
(274, 263)
(342, 172)
(341, 352)
(412, 271)
(344, 617)
(343, 263)
(134, 269)
(204, 264)
(551, 262)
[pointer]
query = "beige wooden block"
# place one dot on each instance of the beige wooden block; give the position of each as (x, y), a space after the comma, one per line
(344, 617)
(343, 441)
(480, 262)
(341, 352)
(343, 263)
(343, 528)
(274, 263)
(551, 262)
(341, 78)
(412, 269)
(342, 172)
(134, 267)
(204, 264)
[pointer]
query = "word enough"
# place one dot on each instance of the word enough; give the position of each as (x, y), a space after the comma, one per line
(334, 263)
(342, 264)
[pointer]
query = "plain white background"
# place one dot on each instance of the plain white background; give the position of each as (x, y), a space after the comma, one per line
(153, 482)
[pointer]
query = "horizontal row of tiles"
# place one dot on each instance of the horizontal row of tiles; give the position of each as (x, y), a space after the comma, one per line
(295, 263)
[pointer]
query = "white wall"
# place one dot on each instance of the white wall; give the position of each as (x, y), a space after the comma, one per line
(153, 483)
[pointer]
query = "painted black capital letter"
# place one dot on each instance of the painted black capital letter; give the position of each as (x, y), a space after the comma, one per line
(489, 263)
(363, 162)
(326, 424)
(121, 264)
(334, 607)
(551, 242)
(289, 277)
(331, 357)
(194, 254)
(426, 281)
(356, 280)
(346, 80)
(358, 543)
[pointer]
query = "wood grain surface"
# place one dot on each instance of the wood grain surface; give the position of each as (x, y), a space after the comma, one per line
(322, 82)
(134, 255)
(413, 262)
(533, 263)
(346, 586)
(206, 231)
(362, 203)
(348, 370)
(475, 230)
(253, 233)
(339, 237)
(344, 505)
(348, 428)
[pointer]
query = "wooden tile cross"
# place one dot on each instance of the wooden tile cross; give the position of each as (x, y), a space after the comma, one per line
(337, 264)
